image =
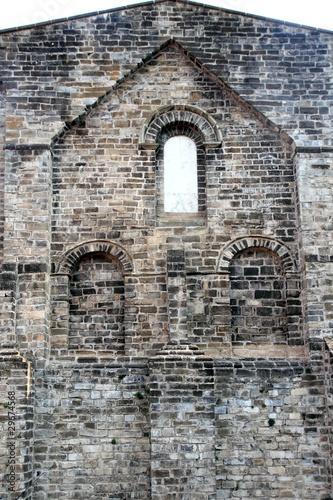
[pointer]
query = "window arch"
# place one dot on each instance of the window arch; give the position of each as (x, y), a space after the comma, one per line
(180, 199)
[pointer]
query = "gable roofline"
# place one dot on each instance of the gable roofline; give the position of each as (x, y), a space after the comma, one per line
(172, 43)
(232, 93)
(149, 2)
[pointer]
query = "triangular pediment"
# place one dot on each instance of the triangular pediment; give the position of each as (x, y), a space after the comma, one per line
(186, 60)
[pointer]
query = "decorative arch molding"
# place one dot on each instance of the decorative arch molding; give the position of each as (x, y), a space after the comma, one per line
(167, 116)
(73, 256)
(241, 244)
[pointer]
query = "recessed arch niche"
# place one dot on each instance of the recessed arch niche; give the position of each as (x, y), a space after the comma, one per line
(265, 302)
(94, 275)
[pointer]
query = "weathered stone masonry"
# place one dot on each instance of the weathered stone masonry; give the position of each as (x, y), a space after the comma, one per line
(148, 354)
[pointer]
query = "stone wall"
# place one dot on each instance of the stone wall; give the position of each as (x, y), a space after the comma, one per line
(111, 193)
(92, 432)
(60, 68)
(161, 354)
(269, 422)
(2, 172)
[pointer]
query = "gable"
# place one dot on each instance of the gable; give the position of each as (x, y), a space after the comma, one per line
(172, 76)
(281, 69)
(249, 174)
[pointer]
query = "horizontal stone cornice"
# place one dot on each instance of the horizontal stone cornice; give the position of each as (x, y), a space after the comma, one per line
(28, 147)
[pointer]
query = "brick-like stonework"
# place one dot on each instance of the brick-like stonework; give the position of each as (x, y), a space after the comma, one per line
(153, 354)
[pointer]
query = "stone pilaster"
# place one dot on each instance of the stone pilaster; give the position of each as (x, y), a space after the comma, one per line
(182, 424)
(176, 286)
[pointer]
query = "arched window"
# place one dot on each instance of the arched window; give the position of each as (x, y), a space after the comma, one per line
(180, 175)
(180, 136)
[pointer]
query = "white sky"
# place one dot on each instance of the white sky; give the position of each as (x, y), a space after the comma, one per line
(317, 13)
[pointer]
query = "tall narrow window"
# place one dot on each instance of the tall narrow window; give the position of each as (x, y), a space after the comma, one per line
(180, 175)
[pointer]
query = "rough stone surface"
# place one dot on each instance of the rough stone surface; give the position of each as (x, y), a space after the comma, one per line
(155, 354)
